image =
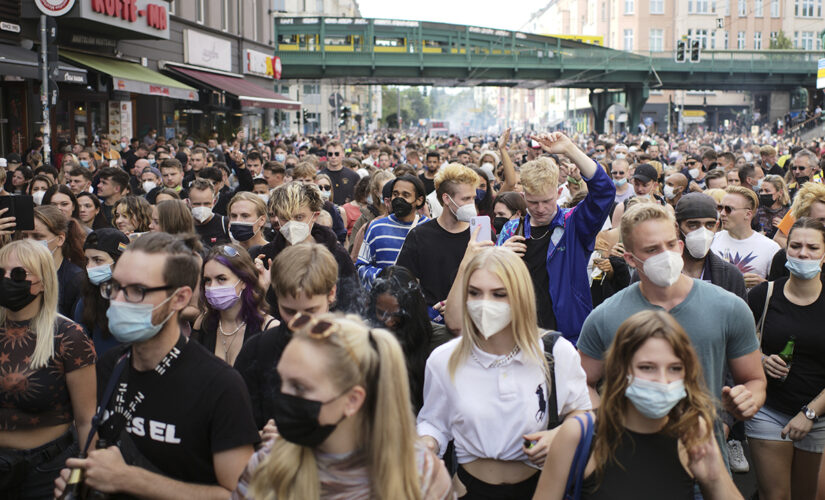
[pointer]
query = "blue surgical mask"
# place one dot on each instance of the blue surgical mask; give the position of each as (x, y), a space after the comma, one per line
(280, 157)
(131, 323)
(758, 185)
(803, 268)
(369, 199)
(480, 194)
(654, 399)
(99, 274)
(84, 163)
(619, 182)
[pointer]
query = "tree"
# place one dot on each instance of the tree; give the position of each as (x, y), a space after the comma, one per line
(781, 42)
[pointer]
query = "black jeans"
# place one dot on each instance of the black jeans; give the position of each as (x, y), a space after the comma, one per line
(479, 490)
(38, 480)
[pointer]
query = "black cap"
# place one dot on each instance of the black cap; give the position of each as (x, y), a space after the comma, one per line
(695, 158)
(646, 173)
(13, 158)
(386, 192)
(695, 206)
(108, 240)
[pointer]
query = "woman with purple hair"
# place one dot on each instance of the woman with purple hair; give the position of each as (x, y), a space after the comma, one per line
(233, 302)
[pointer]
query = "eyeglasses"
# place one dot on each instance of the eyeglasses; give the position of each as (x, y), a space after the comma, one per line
(18, 274)
(795, 168)
(728, 209)
(333, 153)
(616, 172)
(600, 150)
(324, 188)
(318, 330)
(132, 293)
(226, 250)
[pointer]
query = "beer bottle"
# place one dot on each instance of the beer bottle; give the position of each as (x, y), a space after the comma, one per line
(93, 494)
(74, 486)
(786, 354)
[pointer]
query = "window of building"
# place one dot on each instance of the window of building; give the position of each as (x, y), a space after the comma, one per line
(727, 41)
(743, 8)
(312, 88)
(628, 6)
(740, 40)
(758, 8)
(807, 40)
(774, 35)
(702, 36)
(657, 40)
(200, 11)
(727, 8)
(604, 11)
(319, 6)
(628, 40)
(774, 8)
(808, 8)
(657, 6)
(757, 40)
(701, 6)
(173, 8)
(255, 18)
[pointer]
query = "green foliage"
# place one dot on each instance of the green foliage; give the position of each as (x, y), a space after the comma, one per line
(782, 42)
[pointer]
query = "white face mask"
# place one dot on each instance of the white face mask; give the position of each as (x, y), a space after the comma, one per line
(295, 232)
(698, 242)
(202, 214)
(694, 173)
(489, 316)
(669, 192)
(149, 185)
(663, 269)
(38, 197)
(463, 213)
(264, 197)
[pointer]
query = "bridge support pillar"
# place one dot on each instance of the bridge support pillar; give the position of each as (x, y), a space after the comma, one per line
(599, 102)
(636, 97)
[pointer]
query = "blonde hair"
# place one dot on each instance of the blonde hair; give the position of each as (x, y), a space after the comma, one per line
(260, 206)
(778, 183)
(377, 183)
(288, 199)
(539, 175)
(808, 194)
(304, 169)
(37, 260)
(307, 268)
(716, 193)
(642, 212)
(746, 193)
(451, 175)
(387, 432)
(511, 270)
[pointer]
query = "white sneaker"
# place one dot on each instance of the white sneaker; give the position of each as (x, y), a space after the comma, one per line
(736, 457)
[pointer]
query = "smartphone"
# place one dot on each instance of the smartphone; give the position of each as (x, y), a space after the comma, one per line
(21, 207)
(113, 163)
(483, 222)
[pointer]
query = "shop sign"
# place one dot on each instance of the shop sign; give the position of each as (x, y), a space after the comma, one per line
(262, 64)
(150, 18)
(211, 52)
(54, 8)
(120, 120)
(14, 28)
(146, 88)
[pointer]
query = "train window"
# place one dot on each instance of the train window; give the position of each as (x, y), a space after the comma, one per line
(337, 40)
(390, 42)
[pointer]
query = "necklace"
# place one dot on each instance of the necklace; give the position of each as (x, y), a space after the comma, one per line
(500, 361)
(226, 347)
(542, 236)
(233, 332)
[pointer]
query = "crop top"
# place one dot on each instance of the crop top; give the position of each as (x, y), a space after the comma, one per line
(39, 398)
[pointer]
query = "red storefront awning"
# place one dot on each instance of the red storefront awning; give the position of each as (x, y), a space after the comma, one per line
(245, 91)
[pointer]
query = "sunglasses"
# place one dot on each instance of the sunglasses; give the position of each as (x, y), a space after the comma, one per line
(318, 330)
(799, 169)
(616, 172)
(600, 150)
(325, 188)
(728, 209)
(227, 251)
(17, 274)
(333, 153)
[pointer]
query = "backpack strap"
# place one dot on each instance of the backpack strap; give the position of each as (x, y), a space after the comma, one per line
(575, 478)
(549, 338)
(761, 324)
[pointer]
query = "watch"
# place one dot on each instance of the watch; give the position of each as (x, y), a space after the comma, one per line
(809, 414)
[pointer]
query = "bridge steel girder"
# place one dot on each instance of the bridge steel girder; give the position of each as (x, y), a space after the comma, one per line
(600, 102)
(635, 97)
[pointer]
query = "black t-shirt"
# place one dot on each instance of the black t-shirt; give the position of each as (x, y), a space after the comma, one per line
(197, 408)
(214, 232)
(784, 319)
(257, 363)
(429, 184)
(343, 183)
(69, 279)
(536, 260)
(433, 254)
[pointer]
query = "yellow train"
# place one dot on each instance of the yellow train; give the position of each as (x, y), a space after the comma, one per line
(355, 43)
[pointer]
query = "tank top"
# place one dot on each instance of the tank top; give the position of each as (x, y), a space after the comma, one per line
(650, 468)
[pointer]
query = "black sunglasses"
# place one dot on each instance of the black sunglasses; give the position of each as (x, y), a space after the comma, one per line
(325, 188)
(15, 274)
(795, 168)
(728, 209)
(333, 153)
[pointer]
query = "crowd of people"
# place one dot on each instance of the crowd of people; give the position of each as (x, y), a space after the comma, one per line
(402, 316)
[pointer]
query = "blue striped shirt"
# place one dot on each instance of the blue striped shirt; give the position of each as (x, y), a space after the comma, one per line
(382, 244)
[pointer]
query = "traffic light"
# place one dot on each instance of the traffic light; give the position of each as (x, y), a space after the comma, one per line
(681, 51)
(344, 113)
(695, 51)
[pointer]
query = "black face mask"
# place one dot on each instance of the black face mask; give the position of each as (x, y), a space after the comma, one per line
(241, 231)
(15, 295)
(498, 223)
(297, 420)
(765, 200)
(802, 180)
(401, 207)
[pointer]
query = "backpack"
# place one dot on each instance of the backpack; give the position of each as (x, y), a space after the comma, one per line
(549, 338)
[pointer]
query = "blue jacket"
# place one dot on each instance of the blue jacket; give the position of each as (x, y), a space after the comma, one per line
(568, 255)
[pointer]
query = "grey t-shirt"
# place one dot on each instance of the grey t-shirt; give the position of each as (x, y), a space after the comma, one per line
(720, 326)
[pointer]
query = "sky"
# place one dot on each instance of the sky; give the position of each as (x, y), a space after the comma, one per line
(486, 13)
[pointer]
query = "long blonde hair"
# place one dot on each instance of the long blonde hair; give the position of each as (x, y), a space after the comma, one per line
(511, 270)
(37, 260)
(387, 432)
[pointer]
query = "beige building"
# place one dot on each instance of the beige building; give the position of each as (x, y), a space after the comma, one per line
(646, 26)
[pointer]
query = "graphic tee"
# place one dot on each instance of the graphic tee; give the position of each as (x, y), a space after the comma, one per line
(751, 255)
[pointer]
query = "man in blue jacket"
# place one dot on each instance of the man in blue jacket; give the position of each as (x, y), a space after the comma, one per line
(556, 243)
